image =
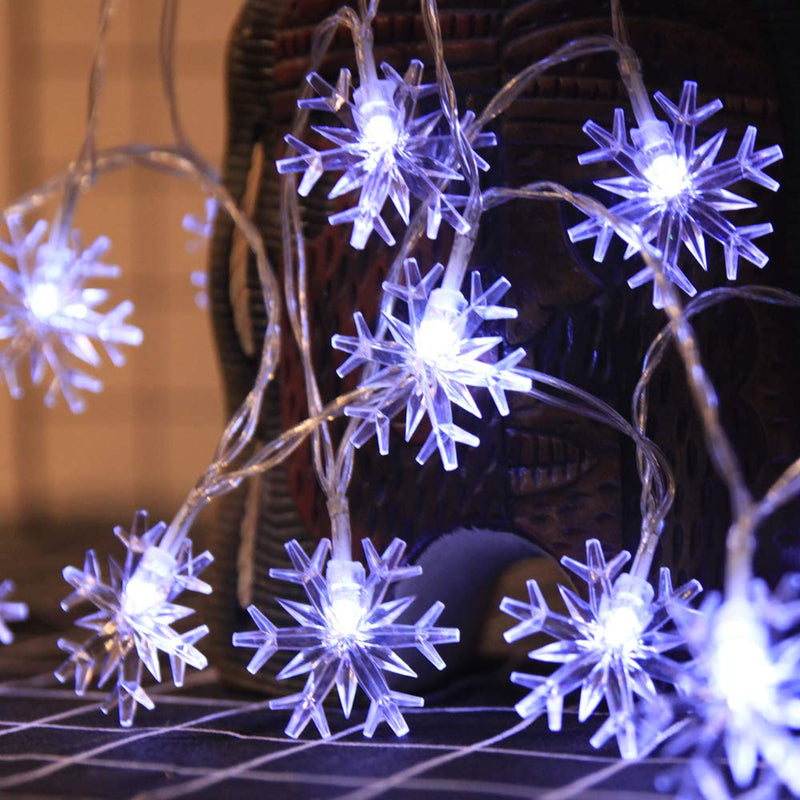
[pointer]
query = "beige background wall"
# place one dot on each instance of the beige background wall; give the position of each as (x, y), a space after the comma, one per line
(142, 442)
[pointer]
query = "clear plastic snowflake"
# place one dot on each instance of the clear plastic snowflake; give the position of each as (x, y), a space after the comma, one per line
(10, 611)
(612, 647)
(346, 636)
(384, 150)
(675, 192)
(743, 689)
(49, 316)
(134, 617)
(431, 361)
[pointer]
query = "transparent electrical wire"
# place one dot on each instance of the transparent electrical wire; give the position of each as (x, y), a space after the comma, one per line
(702, 391)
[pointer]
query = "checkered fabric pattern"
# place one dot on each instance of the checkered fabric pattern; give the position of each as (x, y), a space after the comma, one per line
(205, 741)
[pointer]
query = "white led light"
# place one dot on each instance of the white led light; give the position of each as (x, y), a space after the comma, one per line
(44, 301)
(346, 614)
(621, 628)
(380, 132)
(668, 177)
(740, 666)
(436, 338)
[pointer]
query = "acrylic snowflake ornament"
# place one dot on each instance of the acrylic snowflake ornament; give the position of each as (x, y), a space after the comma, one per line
(612, 647)
(384, 150)
(134, 617)
(431, 361)
(346, 636)
(10, 611)
(675, 192)
(742, 689)
(49, 316)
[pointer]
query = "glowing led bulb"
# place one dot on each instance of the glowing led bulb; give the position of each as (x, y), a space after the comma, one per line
(435, 339)
(44, 301)
(150, 583)
(441, 329)
(668, 177)
(348, 598)
(740, 665)
(621, 628)
(380, 130)
(431, 362)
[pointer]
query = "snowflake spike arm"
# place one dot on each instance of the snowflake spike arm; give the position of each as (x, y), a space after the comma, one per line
(611, 647)
(134, 617)
(10, 611)
(674, 191)
(346, 636)
(431, 361)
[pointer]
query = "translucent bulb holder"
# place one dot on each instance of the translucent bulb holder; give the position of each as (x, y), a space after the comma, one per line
(151, 582)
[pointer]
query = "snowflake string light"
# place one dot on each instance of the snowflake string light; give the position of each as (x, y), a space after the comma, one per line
(49, 316)
(134, 618)
(675, 192)
(611, 647)
(384, 150)
(431, 361)
(9, 611)
(743, 689)
(346, 637)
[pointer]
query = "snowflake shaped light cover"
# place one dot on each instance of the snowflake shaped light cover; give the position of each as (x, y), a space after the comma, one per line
(49, 316)
(384, 150)
(134, 617)
(675, 192)
(743, 688)
(10, 611)
(611, 647)
(346, 636)
(431, 361)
